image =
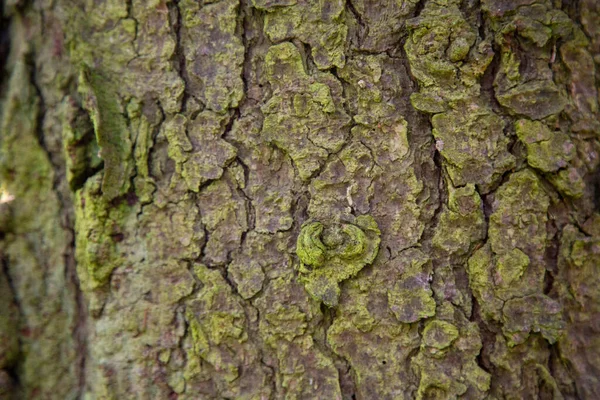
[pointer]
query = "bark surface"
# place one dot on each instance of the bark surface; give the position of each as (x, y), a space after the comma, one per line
(298, 199)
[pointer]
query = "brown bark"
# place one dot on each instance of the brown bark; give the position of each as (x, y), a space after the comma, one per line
(264, 199)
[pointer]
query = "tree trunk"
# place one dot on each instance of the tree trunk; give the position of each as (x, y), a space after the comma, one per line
(294, 199)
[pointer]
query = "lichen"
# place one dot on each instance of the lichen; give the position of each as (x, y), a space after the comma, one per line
(217, 342)
(462, 222)
(507, 274)
(528, 91)
(248, 278)
(535, 313)
(385, 22)
(79, 143)
(546, 150)
(214, 53)
(308, 106)
(100, 233)
(578, 285)
(445, 55)
(473, 144)
(318, 24)
(332, 253)
(112, 133)
(411, 297)
(197, 148)
(223, 213)
(439, 335)
(37, 306)
(446, 363)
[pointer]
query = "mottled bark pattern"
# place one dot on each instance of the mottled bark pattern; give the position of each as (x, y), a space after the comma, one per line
(298, 199)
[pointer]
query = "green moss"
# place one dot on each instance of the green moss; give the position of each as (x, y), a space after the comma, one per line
(333, 253)
(112, 133)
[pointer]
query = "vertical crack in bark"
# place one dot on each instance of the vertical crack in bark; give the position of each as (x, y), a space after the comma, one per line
(179, 53)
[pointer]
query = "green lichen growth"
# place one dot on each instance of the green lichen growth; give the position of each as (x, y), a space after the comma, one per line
(79, 144)
(386, 22)
(249, 277)
(462, 222)
(411, 297)
(37, 294)
(528, 91)
(473, 144)
(9, 316)
(546, 150)
(214, 53)
(511, 266)
(378, 356)
(216, 324)
(321, 25)
(445, 56)
(481, 283)
(439, 335)
(379, 167)
(446, 363)
(330, 254)
(507, 274)
(99, 226)
(578, 285)
(197, 148)
(304, 117)
(112, 133)
(223, 212)
(535, 313)
(286, 325)
(568, 181)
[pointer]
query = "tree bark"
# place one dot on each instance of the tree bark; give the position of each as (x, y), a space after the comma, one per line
(294, 199)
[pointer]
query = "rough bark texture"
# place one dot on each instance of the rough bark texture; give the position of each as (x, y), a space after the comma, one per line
(294, 199)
